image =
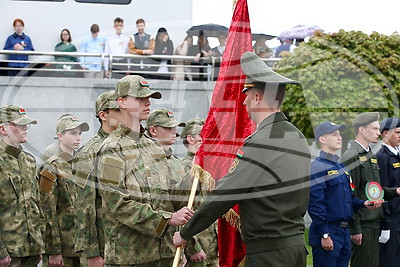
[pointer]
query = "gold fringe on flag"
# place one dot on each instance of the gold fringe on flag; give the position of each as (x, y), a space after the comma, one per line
(204, 176)
(233, 218)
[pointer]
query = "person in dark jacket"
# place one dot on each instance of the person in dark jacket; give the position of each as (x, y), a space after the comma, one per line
(389, 171)
(364, 168)
(269, 178)
(331, 201)
(164, 46)
(18, 41)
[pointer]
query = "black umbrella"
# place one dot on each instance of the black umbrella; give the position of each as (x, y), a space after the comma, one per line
(256, 36)
(210, 30)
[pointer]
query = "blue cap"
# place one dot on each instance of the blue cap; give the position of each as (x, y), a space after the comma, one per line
(327, 127)
(389, 123)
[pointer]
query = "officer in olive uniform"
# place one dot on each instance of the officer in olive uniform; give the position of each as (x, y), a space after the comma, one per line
(269, 178)
(389, 171)
(139, 217)
(363, 166)
(331, 201)
(207, 239)
(89, 226)
(58, 194)
(21, 221)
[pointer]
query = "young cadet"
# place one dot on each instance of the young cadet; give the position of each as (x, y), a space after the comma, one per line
(207, 239)
(331, 201)
(269, 179)
(21, 222)
(389, 171)
(58, 194)
(89, 227)
(363, 166)
(133, 175)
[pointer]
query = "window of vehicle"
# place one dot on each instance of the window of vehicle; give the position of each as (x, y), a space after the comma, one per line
(113, 2)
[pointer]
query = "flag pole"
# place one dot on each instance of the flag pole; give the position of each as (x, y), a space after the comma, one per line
(192, 195)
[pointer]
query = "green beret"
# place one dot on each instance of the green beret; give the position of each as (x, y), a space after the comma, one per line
(136, 86)
(258, 72)
(365, 119)
(164, 118)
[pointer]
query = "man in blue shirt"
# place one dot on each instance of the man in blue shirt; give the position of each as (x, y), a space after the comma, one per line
(93, 44)
(19, 42)
(331, 200)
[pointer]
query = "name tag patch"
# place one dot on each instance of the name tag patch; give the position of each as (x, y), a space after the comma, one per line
(333, 172)
(374, 161)
(396, 165)
(363, 158)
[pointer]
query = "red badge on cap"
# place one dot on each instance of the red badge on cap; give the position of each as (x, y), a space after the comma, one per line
(75, 119)
(144, 83)
(170, 114)
(21, 111)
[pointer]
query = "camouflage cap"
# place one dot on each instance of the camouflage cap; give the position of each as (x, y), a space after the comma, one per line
(257, 71)
(365, 119)
(105, 101)
(69, 123)
(136, 86)
(15, 114)
(164, 118)
(193, 127)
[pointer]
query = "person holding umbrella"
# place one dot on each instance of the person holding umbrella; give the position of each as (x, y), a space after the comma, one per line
(200, 50)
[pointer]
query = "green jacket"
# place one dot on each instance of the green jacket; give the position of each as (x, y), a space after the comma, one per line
(133, 176)
(269, 179)
(89, 224)
(21, 220)
(57, 200)
(364, 168)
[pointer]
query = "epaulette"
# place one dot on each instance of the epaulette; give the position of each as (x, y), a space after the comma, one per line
(29, 156)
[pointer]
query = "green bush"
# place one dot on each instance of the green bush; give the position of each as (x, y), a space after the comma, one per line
(342, 75)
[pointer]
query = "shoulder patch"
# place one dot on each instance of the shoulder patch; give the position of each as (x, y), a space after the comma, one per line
(111, 171)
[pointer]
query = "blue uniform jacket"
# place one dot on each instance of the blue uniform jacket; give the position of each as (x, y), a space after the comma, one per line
(331, 197)
(23, 40)
(389, 171)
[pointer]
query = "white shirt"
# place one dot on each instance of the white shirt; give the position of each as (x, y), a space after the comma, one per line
(116, 45)
(392, 149)
(366, 149)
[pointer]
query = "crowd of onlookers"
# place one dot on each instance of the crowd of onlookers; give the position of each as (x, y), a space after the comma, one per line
(140, 43)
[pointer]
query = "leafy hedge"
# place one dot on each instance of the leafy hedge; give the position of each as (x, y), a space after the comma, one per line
(342, 75)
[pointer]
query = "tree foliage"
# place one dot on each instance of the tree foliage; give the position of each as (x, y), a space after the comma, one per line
(342, 75)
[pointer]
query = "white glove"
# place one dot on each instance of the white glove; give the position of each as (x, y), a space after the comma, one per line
(385, 235)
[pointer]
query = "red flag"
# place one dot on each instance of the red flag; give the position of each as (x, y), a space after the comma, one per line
(226, 127)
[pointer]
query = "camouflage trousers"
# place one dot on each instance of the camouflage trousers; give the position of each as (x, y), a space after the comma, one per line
(30, 261)
(208, 263)
(158, 263)
(68, 261)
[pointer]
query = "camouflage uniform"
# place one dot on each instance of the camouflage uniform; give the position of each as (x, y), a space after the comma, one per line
(57, 199)
(89, 224)
(206, 240)
(21, 220)
(133, 173)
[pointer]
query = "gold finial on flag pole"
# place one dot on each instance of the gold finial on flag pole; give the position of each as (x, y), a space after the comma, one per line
(234, 2)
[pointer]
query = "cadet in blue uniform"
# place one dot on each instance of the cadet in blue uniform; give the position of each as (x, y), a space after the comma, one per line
(389, 171)
(331, 201)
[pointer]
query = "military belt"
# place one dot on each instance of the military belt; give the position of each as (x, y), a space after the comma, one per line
(269, 244)
(341, 224)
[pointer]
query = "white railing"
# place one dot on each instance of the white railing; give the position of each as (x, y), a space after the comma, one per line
(44, 62)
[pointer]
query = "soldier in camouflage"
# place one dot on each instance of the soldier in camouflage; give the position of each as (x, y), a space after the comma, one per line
(58, 194)
(207, 240)
(21, 221)
(132, 170)
(89, 226)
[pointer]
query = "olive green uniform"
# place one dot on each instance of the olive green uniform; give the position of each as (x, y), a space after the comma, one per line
(364, 168)
(270, 181)
(133, 174)
(89, 225)
(57, 200)
(21, 220)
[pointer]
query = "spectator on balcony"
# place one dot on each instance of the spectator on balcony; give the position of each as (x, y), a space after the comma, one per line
(200, 51)
(286, 45)
(116, 44)
(66, 46)
(92, 44)
(181, 70)
(218, 51)
(164, 46)
(261, 49)
(141, 43)
(20, 42)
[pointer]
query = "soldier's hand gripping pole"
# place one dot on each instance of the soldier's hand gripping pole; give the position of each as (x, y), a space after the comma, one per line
(179, 250)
